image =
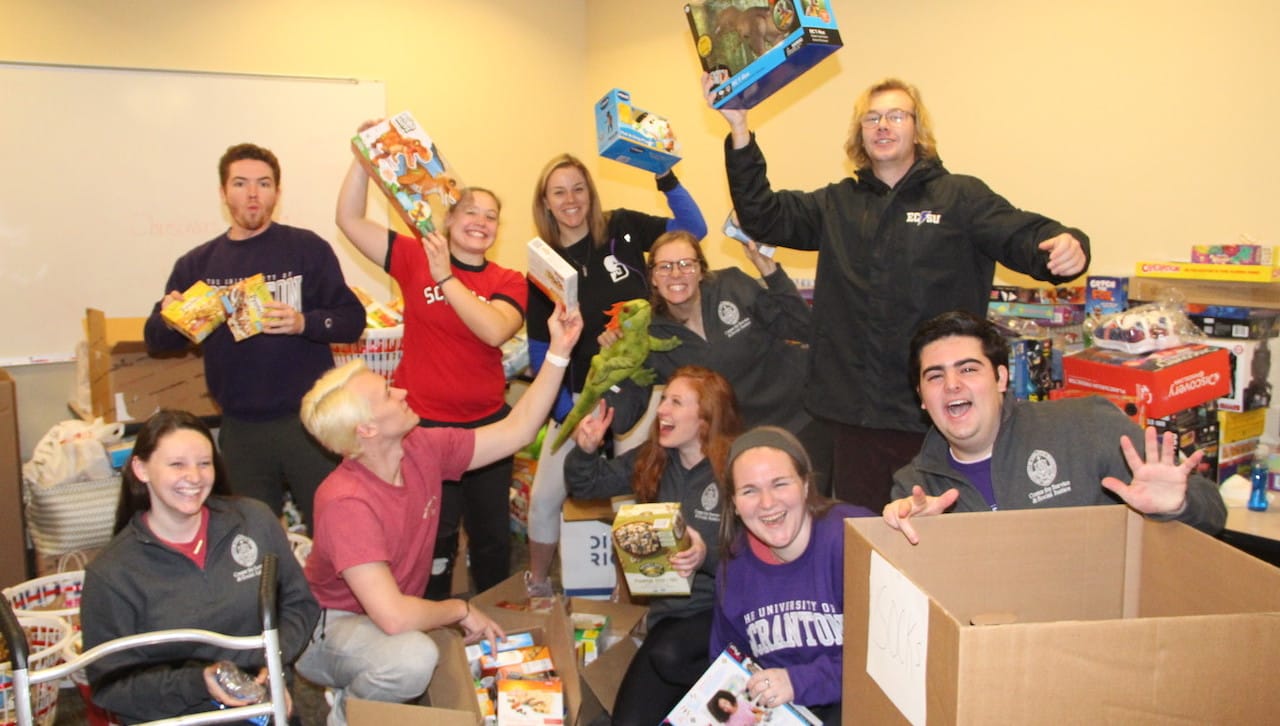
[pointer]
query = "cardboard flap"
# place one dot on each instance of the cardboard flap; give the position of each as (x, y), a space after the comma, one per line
(378, 713)
(604, 675)
(451, 686)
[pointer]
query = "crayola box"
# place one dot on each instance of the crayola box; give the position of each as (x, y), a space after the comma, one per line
(753, 51)
(404, 161)
(644, 536)
(199, 313)
(245, 302)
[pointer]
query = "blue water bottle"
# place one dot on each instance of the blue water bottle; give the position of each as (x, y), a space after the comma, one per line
(1258, 481)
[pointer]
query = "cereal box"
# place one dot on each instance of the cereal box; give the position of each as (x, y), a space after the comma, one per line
(245, 304)
(404, 161)
(644, 536)
(197, 314)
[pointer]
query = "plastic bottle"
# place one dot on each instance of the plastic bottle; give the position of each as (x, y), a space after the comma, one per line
(1258, 480)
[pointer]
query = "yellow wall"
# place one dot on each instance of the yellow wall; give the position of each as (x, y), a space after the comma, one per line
(1145, 123)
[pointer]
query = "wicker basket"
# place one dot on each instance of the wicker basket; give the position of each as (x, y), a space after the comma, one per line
(379, 347)
(57, 595)
(48, 637)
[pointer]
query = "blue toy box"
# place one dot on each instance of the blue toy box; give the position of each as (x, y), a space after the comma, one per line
(753, 51)
(634, 136)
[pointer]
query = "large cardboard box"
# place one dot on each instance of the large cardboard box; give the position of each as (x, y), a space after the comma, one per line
(13, 553)
(1164, 381)
(1089, 615)
(752, 52)
(127, 384)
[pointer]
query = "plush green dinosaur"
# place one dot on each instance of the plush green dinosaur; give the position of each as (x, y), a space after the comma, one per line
(622, 359)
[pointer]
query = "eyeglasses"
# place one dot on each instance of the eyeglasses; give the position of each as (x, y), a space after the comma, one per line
(688, 264)
(895, 117)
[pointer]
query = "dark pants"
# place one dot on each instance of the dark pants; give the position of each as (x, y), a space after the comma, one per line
(480, 502)
(671, 659)
(864, 460)
(264, 457)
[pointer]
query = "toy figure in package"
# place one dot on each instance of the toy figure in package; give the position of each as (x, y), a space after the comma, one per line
(404, 161)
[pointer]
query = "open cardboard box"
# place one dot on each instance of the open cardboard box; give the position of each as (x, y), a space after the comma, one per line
(127, 384)
(1096, 615)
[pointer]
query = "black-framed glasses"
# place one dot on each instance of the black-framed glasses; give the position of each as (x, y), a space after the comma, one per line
(688, 264)
(895, 117)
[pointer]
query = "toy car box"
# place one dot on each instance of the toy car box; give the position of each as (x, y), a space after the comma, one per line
(753, 51)
(405, 163)
(1081, 615)
(644, 537)
(634, 136)
(1164, 381)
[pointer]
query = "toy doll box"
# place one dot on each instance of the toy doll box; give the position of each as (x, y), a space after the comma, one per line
(753, 51)
(634, 136)
(408, 168)
(1086, 615)
(721, 692)
(1164, 381)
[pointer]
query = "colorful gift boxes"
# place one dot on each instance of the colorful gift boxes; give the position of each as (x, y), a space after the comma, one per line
(634, 136)
(1164, 381)
(753, 51)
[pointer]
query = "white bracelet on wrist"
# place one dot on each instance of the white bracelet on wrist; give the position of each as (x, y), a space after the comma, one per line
(558, 361)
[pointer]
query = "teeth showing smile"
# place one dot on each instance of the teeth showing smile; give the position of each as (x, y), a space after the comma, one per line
(774, 519)
(958, 408)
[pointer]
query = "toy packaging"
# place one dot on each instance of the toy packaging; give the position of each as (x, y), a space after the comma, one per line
(1164, 382)
(733, 231)
(1237, 254)
(753, 48)
(1206, 271)
(407, 166)
(634, 136)
(645, 536)
(199, 313)
(721, 693)
(553, 274)
(1251, 373)
(245, 302)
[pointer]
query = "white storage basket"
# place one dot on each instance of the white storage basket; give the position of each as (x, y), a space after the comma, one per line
(380, 348)
(47, 637)
(72, 515)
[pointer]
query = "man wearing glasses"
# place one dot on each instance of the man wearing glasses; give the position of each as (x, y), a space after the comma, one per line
(899, 242)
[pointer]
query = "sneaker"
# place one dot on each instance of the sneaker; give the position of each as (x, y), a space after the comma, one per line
(541, 595)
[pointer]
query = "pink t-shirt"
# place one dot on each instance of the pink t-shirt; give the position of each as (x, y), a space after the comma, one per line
(361, 518)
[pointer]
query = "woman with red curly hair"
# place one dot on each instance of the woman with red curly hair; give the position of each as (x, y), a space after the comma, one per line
(684, 458)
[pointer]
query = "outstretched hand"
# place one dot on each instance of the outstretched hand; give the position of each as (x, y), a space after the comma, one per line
(898, 514)
(1159, 483)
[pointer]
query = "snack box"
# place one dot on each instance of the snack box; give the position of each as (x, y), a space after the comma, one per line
(245, 304)
(644, 536)
(753, 51)
(634, 136)
(199, 313)
(553, 274)
(530, 702)
(1237, 254)
(401, 157)
(1163, 381)
(1205, 271)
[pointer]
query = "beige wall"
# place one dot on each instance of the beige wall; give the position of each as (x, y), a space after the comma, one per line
(1144, 123)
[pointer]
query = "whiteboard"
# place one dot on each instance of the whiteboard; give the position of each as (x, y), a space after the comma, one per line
(109, 175)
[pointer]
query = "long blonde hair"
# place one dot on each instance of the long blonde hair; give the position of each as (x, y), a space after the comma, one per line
(926, 143)
(548, 228)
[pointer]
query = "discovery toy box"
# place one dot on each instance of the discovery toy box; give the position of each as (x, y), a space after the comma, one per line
(753, 51)
(409, 169)
(634, 136)
(1163, 382)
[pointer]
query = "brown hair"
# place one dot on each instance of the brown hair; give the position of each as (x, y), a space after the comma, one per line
(656, 301)
(240, 152)
(720, 423)
(548, 228)
(134, 495)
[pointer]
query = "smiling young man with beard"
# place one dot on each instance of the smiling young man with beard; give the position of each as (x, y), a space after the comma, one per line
(899, 242)
(988, 451)
(258, 382)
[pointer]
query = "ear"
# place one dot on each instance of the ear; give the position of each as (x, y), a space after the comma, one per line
(366, 430)
(139, 468)
(1002, 378)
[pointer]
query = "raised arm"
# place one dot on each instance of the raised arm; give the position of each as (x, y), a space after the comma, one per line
(493, 321)
(367, 235)
(503, 438)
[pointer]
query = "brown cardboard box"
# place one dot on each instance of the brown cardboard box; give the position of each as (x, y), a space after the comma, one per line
(128, 384)
(602, 677)
(1096, 615)
(13, 554)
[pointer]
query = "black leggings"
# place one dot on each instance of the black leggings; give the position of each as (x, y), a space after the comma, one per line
(671, 659)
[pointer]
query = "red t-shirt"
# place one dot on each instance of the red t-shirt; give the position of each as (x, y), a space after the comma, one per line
(450, 374)
(360, 518)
